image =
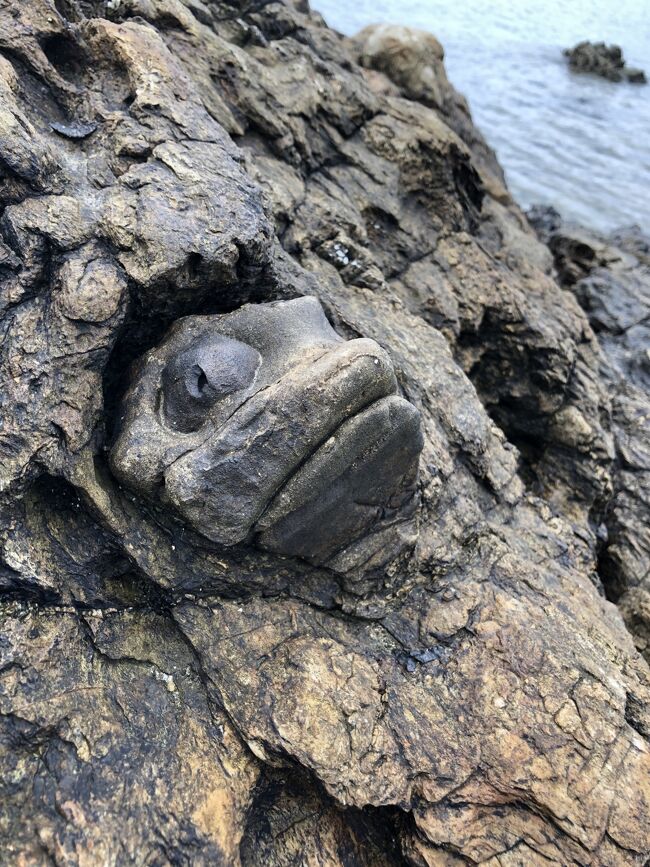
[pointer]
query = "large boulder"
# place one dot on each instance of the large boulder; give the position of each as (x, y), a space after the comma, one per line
(178, 689)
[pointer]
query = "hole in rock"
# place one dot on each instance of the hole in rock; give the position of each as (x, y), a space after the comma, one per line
(613, 582)
(194, 261)
(202, 381)
(65, 55)
(292, 799)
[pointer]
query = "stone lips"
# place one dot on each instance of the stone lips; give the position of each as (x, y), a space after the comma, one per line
(346, 481)
(302, 441)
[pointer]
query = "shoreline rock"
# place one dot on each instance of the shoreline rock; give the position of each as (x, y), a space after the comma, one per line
(604, 60)
(610, 278)
(412, 61)
(168, 698)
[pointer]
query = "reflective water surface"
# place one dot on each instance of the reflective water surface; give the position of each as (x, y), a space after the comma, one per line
(574, 141)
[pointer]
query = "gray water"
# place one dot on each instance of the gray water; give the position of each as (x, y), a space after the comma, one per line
(574, 141)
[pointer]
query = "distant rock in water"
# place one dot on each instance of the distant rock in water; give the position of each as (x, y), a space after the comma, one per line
(604, 60)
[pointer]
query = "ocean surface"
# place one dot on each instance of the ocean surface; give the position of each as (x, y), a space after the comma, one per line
(574, 141)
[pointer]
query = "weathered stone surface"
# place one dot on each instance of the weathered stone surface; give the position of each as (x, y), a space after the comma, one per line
(169, 698)
(413, 60)
(611, 279)
(263, 425)
(111, 751)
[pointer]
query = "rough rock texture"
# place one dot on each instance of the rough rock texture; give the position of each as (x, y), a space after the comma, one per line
(611, 279)
(413, 61)
(165, 698)
(604, 60)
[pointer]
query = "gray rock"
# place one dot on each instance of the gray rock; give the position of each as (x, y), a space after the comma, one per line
(76, 130)
(610, 277)
(264, 424)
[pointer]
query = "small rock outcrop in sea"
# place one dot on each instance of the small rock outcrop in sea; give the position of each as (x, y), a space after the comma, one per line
(604, 60)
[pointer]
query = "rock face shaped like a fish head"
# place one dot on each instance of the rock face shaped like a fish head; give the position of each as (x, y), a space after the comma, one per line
(263, 425)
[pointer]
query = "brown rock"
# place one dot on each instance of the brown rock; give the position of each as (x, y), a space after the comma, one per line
(165, 698)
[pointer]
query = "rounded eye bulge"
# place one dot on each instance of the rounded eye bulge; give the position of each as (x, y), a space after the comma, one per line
(210, 370)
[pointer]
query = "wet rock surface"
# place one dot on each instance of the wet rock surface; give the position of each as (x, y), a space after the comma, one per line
(604, 60)
(171, 695)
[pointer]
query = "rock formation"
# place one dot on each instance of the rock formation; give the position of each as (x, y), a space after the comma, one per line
(412, 61)
(174, 691)
(604, 60)
(263, 425)
(610, 277)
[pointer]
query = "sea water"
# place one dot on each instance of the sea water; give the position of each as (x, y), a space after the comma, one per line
(574, 141)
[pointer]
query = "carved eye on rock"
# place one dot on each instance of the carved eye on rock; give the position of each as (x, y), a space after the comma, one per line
(208, 371)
